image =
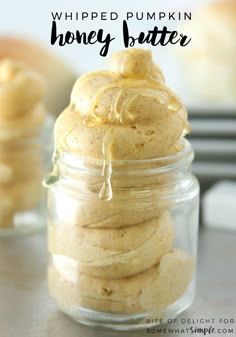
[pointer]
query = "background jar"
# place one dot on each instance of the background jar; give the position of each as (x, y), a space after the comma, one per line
(24, 158)
(128, 262)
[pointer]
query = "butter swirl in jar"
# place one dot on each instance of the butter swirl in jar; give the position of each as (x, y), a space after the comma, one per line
(22, 117)
(123, 205)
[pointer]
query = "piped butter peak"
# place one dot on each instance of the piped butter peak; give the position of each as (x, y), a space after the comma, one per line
(132, 102)
(113, 250)
(20, 89)
(135, 63)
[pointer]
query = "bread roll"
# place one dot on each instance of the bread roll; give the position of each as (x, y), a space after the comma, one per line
(209, 62)
(58, 76)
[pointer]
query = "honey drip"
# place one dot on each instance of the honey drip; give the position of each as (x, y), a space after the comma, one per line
(106, 190)
(53, 176)
(116, 115)
(109, 98)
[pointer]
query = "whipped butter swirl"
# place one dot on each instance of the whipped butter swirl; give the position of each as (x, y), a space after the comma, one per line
(124, 113)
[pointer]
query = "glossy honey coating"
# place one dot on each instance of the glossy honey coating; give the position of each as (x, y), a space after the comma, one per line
(132, 102)
(111, 237)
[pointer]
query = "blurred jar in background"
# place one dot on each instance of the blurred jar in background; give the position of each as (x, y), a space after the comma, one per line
(208, 62)
(22, 121)
(59, 77)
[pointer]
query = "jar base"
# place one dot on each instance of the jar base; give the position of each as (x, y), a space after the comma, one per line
(24, 223)
(125, 322)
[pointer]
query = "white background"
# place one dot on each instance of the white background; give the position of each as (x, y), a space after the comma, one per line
(32, 19)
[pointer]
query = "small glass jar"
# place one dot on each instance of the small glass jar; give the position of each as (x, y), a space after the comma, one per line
(129, 262)
(23, 162)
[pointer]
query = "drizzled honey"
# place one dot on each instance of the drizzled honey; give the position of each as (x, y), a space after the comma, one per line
(106, 190)
(126, 100)
(121, 166)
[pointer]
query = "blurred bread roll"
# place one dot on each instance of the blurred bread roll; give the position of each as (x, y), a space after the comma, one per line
(21, 89)
(58, 76)
(209, 63)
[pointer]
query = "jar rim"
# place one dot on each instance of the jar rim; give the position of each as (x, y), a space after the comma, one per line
(76, 162)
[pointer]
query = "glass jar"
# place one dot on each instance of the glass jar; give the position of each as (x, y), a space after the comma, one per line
(23, 162)
(128, 262)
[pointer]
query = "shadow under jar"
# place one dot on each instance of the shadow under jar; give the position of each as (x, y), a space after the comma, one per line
(128, 262)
